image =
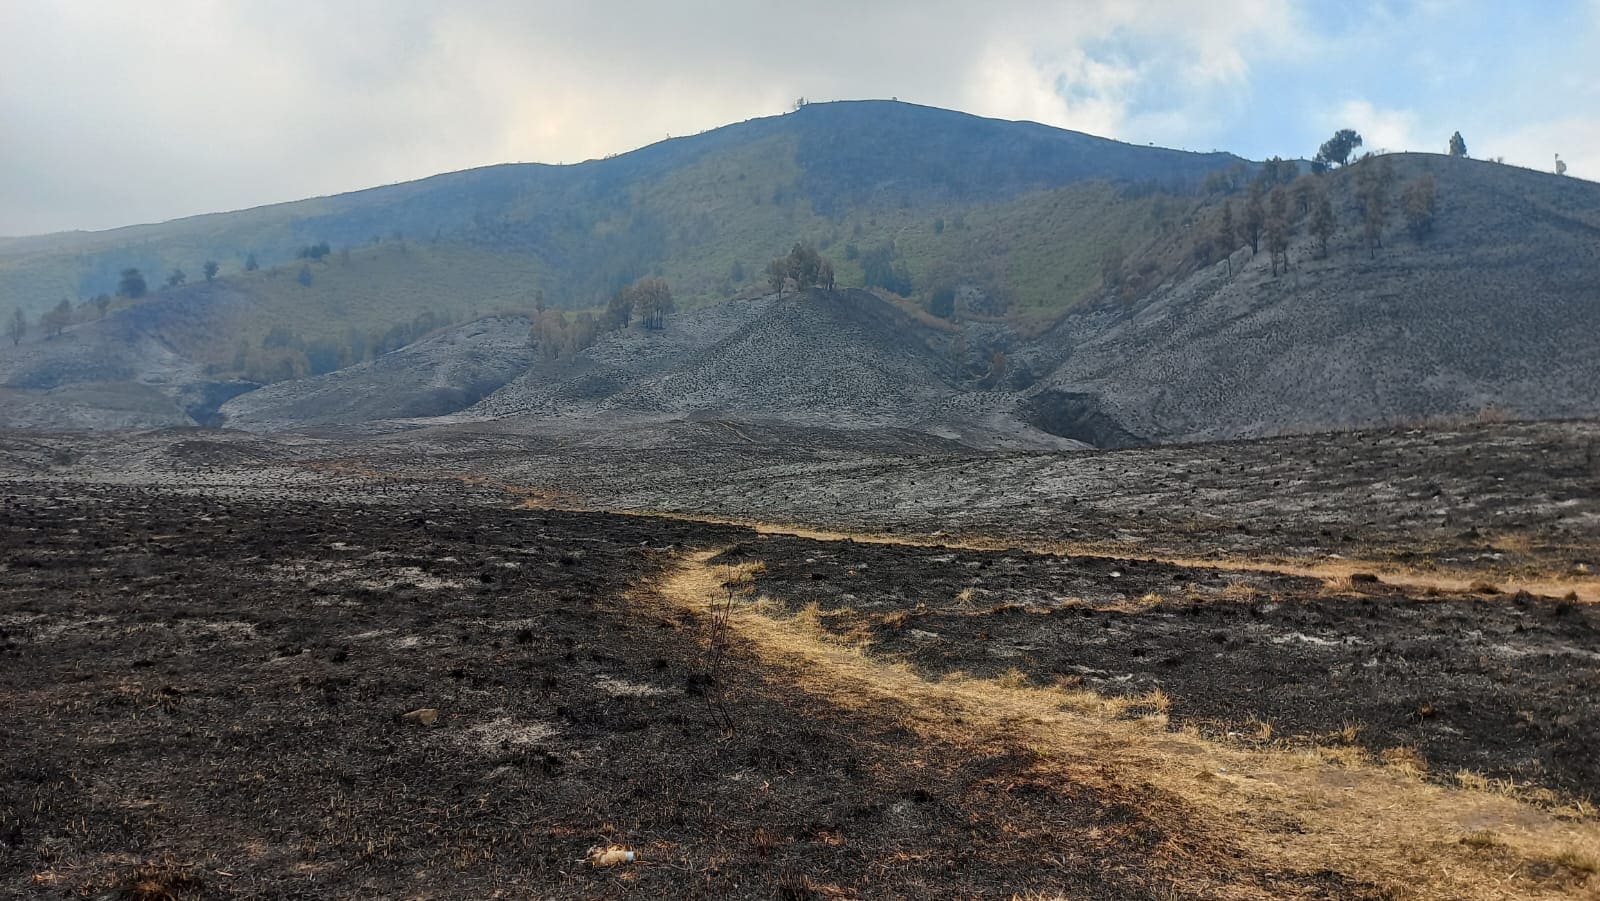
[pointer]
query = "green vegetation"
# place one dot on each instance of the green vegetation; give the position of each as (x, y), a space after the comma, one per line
(1336, 150)
(914, 191)
(804, 267)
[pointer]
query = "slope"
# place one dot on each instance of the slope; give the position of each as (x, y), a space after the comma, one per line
(693, 207)
(1496, 312)
(434, 376)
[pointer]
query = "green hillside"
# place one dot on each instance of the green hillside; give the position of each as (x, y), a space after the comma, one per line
(1018, 210)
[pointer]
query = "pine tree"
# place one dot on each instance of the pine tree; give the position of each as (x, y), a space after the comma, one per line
(1458, 146)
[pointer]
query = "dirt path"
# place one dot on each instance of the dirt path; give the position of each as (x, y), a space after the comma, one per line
(1286, 809)
(1334, 571)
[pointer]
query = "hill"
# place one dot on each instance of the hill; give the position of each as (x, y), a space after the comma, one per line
(1494, 312)
(1090, 296)
(706, 211)
(437, 375)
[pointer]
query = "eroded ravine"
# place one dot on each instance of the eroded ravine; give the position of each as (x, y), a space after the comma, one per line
(1285, 808)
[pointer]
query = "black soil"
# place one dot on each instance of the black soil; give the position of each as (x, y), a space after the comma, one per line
(1500, 685)
(203, 698)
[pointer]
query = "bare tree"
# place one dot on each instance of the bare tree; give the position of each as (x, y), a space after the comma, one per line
(1255, 218)
(1374, 179)
(1418, 201)
(1277, 229)
(778, 274)
(56, 321)
(16, 327)
(1323, 222)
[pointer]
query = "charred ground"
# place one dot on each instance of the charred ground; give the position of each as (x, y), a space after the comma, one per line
(209, 639)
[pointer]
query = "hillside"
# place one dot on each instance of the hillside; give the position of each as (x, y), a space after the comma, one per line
(1491, 311)
(1496, 312)
(706, 211)
(437, 375)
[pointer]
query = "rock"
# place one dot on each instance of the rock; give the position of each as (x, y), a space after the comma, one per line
(1363, 579)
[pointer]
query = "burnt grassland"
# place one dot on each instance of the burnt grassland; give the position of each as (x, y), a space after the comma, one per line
(204, 695)
(918, 673)
(1470, 687)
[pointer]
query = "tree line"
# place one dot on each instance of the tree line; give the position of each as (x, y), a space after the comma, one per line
(555, 336)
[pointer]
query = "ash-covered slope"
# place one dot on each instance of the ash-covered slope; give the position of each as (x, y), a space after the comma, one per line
(431, 377)
(845, 355)
(844, 359)
(1498, 309)
(132, 369)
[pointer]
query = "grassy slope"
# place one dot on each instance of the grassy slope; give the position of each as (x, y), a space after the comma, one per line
(688, 209)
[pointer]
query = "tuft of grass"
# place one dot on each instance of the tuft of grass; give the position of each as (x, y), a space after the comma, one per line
(1567, 866)
(897, 620)
(1482, 840)
(1013, 678)
(1406, 760)
(743, 575)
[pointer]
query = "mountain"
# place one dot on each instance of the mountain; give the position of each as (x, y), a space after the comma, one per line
(706, 211)
(1092, 302)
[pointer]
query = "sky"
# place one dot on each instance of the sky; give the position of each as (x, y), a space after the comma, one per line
(114, 112)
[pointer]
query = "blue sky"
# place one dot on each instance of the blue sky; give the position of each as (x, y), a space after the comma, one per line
(1506, 75)
(113, 114)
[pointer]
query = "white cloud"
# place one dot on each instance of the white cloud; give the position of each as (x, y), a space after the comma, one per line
(119, 112)
(1575, 138)
(1381, 129)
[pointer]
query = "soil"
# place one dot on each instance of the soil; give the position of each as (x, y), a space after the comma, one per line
(205, 698)
(1500, 686)
(210, 641)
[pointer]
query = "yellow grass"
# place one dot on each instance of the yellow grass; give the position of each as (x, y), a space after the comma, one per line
(1377, 823)
(1336, 573)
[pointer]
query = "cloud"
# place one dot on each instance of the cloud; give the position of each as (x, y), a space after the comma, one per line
(1381, 129)
(1575, 138)
(119, 112)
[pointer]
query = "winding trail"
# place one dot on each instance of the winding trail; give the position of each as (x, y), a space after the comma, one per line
(1286, 809)
(1586, 590)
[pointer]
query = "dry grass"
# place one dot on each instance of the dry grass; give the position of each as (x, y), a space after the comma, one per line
(742, 575)
(1374, 822)
(1423, 579)
(1481, 840)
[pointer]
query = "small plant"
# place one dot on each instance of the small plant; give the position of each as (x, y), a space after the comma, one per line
(1405, 759)
(764, 842)
(1481, 840)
